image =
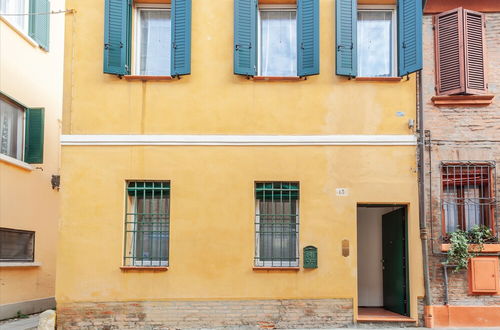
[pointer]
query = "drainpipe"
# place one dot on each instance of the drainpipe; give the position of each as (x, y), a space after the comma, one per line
(421, 193)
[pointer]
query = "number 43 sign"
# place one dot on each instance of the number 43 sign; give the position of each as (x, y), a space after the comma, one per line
(342, 192)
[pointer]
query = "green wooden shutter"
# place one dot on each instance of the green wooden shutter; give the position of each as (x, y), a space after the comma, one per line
(245, 37)
(181, 38)
(346, 20)
(39, 25)
(117, 25)
(307, 37)
(33, 140)
(409, 36)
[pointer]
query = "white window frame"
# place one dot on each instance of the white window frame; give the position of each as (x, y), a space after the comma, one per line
(270, 7)
(21, 143)
(394, 33)
(261, 263)
(137, 33)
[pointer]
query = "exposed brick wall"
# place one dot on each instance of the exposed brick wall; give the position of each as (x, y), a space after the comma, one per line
(458, 133)
(307, 313)
(420, 312)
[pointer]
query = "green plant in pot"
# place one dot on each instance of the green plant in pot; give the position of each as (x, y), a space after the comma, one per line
(459, 240)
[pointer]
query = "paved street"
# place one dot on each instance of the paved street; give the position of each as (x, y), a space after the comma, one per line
(21, 324)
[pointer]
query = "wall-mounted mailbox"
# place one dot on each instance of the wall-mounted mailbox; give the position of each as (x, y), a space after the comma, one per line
(310, 257)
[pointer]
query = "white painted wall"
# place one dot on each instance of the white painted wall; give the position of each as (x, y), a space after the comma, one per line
(370, 285)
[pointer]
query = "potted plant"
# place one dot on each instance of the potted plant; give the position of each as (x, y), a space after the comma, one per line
(463, 245)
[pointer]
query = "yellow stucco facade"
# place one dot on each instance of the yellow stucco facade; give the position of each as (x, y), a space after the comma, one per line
(212, 210)
(33, 77)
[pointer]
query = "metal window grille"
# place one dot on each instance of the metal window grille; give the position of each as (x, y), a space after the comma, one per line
(17, 245)
(277, 224)
(147, 223)
(468, 195)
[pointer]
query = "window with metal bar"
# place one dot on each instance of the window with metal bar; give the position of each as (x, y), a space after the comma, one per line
(468, 195)
(147, 224)
(17, 245)
(277, 224)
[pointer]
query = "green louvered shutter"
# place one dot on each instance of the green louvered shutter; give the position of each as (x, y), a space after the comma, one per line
(345, 40)
(39, 24)
(117, 21)
(245, 37)
(409, 36)
(307, 37)
(181, 38)
(33, 140)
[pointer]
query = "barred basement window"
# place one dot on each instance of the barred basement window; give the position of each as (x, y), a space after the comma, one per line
(147, 224)
(468, 196)
(276, 224)
(17, 245)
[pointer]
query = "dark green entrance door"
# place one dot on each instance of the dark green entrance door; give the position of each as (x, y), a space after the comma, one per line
(394, 262)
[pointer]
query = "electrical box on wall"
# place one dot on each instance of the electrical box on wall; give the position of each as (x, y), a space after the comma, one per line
(483, 275)
(310, 257)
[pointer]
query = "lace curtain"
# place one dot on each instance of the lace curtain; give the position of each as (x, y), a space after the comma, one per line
(154, 42)
(11, 130)
(375, 51)
(14, 7)
(278, 43)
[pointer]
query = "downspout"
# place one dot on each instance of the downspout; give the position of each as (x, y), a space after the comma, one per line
(421, 194)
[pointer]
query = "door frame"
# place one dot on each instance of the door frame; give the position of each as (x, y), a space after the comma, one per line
(406, 249)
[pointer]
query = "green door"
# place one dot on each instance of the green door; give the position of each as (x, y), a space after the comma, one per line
(394, 262)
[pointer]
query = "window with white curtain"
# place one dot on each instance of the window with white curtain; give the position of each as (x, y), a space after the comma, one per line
(277, 41)
(276, 224)
(468, 195)
(11, 128)
(153, 41)
(376, 42)
(12, 7)
(147, 224)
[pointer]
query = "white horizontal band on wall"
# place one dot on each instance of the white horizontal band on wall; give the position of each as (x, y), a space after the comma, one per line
(238, 140)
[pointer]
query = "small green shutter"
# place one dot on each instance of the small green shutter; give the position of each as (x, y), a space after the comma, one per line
(181, 38)
(33, 140)
(346, 38)
(117, 25)
(409, 36)
(39, 24)
(245, 37)
(307, 37)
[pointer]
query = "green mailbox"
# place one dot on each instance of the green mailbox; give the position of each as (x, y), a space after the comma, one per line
(310, 257)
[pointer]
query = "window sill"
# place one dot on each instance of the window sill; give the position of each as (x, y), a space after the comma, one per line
(279, 269)
(148, 78)
(4, 264)
(384, 79)
(16, 162)
(265, 78)
(22, 34)
(487, 248)
(463, 100)
(143, 269)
